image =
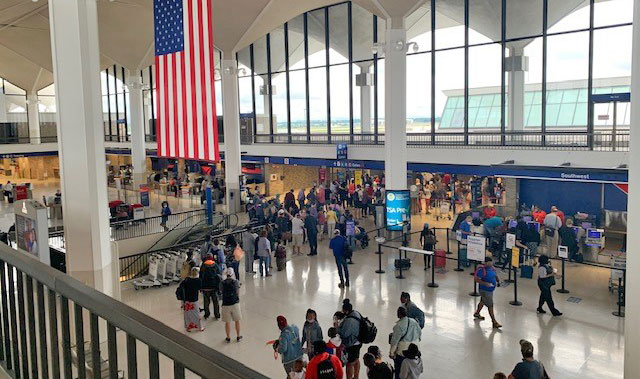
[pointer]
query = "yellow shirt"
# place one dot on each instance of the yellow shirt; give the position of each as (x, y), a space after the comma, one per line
(332, 217)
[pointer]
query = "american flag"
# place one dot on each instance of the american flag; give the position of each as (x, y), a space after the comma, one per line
(186, 125)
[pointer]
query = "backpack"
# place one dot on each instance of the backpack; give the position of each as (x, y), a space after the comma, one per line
(368, 330)
(229, 293)
(325, 369)
(180, 292)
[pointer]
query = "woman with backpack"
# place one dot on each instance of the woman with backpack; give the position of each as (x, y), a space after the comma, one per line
(349, 331)
(311, 332)
(546, 280)
(288, 344)
(190, 288)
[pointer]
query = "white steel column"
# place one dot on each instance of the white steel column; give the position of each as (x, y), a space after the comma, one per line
(138, 152)
(395, 76)
(3, 107)
(231, 118)
(365, 100)
(516, 66)
(34, 118)
(632, 305)
(76, 69)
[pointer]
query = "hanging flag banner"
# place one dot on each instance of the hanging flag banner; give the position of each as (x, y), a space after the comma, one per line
(186, 123)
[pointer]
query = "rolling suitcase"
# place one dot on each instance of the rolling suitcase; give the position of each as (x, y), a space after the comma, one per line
(440, 258)
(281, 258)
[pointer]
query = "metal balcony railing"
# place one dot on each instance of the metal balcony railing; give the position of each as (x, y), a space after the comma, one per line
(54, 325)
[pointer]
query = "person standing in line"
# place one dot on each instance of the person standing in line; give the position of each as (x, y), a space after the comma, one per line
(211, 277)
(406, 331)
(487, 278)
(338, 245)
(349, 329)
(546, 280)
(311, 332)
(324, 365)
(191, 287)
(377, 368)
(289, 199)
(412, 367)
(412, 309)
(311, 226)
(428, 241)
(529, 368)
(248, 245)
(264, 252)
(332, 220)
(297, 233)
(301, 198)
(288, 344)
(164, 213)
(231, 304)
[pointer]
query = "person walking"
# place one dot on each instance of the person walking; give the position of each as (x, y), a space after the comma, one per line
(301, 198)
(311, 227)
(191, 287)
(412, 309)
(546, 280)
(311, 332)
(165, 213)
(487, 279)
(411, 367)
(248, 245)
(339, 246)
(211, 278)
(529, 368)
(428, 241)
(405, 332)
(288, 344)
(289, 199)
(264, 253)
(231, 304)
(324, 365)
(349, 330)
(332, 220)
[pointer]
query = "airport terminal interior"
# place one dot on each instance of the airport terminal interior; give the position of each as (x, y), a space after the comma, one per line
(319, 189)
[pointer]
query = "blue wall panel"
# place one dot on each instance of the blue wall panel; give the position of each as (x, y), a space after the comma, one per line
(614, 198)
(570, 197)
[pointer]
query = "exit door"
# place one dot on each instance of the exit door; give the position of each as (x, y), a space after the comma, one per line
(611, 120)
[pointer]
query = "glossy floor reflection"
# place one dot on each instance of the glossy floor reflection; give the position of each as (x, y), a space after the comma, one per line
(587, 342)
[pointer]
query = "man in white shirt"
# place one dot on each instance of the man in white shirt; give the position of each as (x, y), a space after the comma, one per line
(8, 190)
(552, 223)
(297, 233)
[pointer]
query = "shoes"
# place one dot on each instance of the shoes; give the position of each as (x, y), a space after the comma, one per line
(496, 325)
(250, 272)
(541, 311)
(310, 255)
(478, 317)
(268, 275)
(206, 317)
(238, 338)
(202, 329)
(347, 284)
(227, 339)
(556, 313)
(340, 285)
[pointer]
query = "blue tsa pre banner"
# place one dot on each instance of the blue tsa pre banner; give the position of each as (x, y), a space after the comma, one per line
(398, 209)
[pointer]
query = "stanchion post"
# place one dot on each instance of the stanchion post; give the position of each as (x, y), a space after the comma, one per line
(563, 290)
(379, 270)
(515, 301)
(433, 283)
(621, 293)
(475, 285)
(458, 268)
(509, 280)
(448, 246)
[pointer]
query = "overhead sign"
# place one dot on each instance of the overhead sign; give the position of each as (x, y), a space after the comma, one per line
(476, 248)
(398, 209)
(624, 97)
(341, 151)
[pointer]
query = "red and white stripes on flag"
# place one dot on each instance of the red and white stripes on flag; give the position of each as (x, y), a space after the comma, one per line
(186, 122)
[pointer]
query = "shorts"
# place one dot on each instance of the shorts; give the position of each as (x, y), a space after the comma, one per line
(297, 240)
(353, 353)
(231, 313)
(487, 298)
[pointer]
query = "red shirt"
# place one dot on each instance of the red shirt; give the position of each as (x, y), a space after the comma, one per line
(560, 214)
(312, 367)
(489, 212)
(539, 216)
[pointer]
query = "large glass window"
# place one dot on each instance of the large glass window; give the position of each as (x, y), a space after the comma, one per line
(419, 93)
(298, 98)
(450, 90)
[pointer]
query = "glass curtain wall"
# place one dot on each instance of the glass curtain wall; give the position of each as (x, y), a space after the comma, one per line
(115, 100)
(14, 123)
(475, 63)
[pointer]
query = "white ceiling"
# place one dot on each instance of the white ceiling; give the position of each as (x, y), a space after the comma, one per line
(126, 27)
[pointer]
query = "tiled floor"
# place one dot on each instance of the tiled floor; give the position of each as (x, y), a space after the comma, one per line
(587, 342)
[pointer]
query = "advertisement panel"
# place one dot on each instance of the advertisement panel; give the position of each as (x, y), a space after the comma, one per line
(357, 175)
(144, 195)
(476, 248)
(398, 210)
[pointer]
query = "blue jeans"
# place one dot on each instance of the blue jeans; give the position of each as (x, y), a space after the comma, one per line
(343, 269)
(397, 362)
(264, 265)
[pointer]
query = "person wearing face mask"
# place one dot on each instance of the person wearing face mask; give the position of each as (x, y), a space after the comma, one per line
(311, 332)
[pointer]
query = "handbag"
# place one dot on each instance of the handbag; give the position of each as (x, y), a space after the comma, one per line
(238, 253)
(402, 264)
